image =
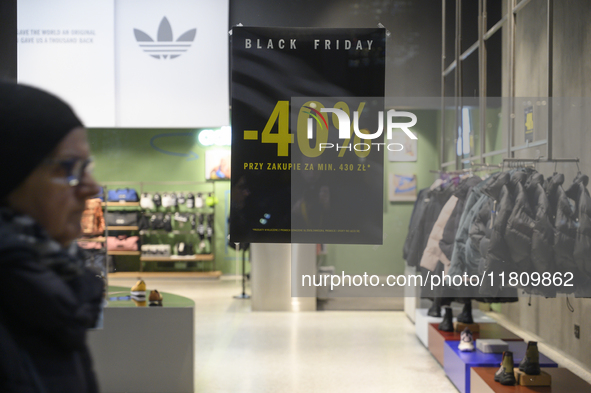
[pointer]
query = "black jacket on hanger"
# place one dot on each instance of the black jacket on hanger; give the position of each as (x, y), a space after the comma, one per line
(582, 252)
(565, 224)
(413, 227)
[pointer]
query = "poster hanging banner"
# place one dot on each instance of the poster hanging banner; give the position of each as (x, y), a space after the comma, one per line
(308, 131)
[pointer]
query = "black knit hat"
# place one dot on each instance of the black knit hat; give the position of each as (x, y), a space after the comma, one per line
(32, 124)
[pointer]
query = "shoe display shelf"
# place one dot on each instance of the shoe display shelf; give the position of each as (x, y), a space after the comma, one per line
(457, 364)
(142, 348)
(438, 339)
(422, 321)
(140, 188)
(482, 380)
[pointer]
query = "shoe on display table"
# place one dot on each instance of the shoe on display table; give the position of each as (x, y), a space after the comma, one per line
(138, 291)
(530, 364)
(155, 298)
(447, 324)
(466, 342)
(505, 374)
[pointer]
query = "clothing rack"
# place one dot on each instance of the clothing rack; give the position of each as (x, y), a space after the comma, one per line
(520, 162)
(457, 172)
(485, 166)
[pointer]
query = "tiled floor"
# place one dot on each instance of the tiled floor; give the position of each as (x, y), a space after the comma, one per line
(237, 350)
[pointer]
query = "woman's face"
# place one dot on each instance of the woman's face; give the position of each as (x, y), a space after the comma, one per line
(46, 196)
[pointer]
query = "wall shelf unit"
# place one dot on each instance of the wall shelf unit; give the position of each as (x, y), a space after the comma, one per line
(179, 232)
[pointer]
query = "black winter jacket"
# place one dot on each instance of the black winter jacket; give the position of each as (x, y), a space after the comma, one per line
(413, 227)
(562, 214)
(451, 228)
(520, 225)
(47, 302)
(582, 252)
(460, 259)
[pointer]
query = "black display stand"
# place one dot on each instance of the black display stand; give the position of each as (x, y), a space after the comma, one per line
(243, 295)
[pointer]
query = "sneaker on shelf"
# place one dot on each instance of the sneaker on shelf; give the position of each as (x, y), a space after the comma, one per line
(138, 291)
(466, 341)
(505, 374)
(530, 364)
(155, 298)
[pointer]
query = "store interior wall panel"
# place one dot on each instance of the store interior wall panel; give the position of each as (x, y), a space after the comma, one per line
(551, 319)
(572, 34)
(531, 54)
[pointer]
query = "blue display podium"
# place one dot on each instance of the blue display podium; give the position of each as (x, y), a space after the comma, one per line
(457, 364)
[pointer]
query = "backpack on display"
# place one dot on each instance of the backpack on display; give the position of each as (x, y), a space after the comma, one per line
(166, 200)
(181, 199)
(93, 221)
(123, 195)
(190, 201)
(122, 243)
(199, 201)
(122, 218)
(157, 200)
(146, 202)
(183, 248)
(167, 223)
(173, 199)
(157, 221)
(143, 223)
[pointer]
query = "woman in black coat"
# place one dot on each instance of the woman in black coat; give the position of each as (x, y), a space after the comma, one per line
(48, 299)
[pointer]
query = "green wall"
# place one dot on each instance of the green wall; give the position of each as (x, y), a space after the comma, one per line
(387, 259)
(127, 155)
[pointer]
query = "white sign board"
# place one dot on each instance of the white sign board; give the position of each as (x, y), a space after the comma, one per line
(66, 47)
(129, 63)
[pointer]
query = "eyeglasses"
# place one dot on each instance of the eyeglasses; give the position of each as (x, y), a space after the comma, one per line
(73, 169)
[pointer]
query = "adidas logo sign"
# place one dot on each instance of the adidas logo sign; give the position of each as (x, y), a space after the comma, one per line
(165, 47)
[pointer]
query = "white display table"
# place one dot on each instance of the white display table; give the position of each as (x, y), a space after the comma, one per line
(145, 349)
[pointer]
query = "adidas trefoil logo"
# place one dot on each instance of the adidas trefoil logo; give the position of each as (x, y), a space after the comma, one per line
(165, 47)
